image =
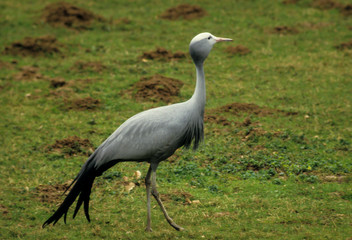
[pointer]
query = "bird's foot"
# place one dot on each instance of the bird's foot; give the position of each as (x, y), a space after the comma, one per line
(148, 229)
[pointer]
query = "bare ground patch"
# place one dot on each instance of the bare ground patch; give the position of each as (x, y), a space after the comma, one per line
(71, 146)
(217, 119)
(95, 66)
(28, 73)
(86, 103)
(250, 108)
(182, 197)
(284, 30)
(50, 193)
(326, 4)
(156, 88)
(162, 54)
(344, 45)
(70, 16)
(184, 11)
(238, 50)
(29, 46)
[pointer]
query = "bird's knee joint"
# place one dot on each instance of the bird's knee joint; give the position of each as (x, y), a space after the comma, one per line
(155, 193)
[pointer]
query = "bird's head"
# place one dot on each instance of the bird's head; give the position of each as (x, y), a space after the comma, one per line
(200, 46)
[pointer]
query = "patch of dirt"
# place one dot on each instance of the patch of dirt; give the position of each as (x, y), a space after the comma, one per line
(250, 108)
(87, 103)
(216, 119)
(71, 146)
(344, 45)
(7, 65)
(162, 54)
(238, 50)
(325, 4)
(157, 88)
(66, 89)
(183, 197)
(185, 11)
(284, 30)
(314, 26)
(70, 16)
(81, 66)
(286, 2)
(346, 10)
(28, 73)
(40, 46)
(51, 193)
(3, 209)
(57, 82)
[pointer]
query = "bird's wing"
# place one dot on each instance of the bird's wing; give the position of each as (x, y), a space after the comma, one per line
(152, 134)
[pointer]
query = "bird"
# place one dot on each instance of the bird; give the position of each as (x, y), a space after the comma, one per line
(149, 136)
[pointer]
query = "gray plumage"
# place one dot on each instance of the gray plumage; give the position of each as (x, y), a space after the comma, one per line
(151, 136)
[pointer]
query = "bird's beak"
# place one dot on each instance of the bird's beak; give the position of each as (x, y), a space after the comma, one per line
(220, 39)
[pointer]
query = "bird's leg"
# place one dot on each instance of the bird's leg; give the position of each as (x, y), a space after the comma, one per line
(147, 185)
(157, 198)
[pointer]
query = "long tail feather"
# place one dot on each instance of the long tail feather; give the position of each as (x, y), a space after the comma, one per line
(82, 188)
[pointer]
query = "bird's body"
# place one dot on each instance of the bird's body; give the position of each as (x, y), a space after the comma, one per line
(151, 136)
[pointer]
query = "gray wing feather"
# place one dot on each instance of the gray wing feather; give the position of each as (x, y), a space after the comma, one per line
(152, 134)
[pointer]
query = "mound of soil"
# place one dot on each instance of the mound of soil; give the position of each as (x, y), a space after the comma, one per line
(157, 88)
(238, 50)
(185, 11)
(50, 193)
(290, 2)
(344, 45)
(7, 65)
(177, 196)
(40, 46)
(162, 54)
(28, 73)
(57, 82)
(81, 66)
(284, 30)
(346, 10)
(216, 119)
(72, 146)
(250, 108)
(87, 103)
(70, 16)
(326, 4)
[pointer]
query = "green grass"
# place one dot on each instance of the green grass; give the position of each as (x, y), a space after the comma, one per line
(290, 181)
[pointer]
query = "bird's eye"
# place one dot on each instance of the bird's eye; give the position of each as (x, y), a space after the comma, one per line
(209, 37)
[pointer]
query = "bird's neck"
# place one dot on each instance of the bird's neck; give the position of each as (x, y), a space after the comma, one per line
(199, 94)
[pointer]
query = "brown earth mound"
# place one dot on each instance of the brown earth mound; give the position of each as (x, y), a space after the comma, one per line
(290, 2)
(185, 11)
(81, 66)
(7, 65)
(50, 193)
(284, 30)
(177, 196)
(162, 54)
(157, 88)
(40, 46)
(68, 15)
(346, 10)
(72, 146)
(216, 119)
(57, 82)
(28, 73)
(344, 45)
(87, 103)
(326, 4)
(238, 50)
(250, 108)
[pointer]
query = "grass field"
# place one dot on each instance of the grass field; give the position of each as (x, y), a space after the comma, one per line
(276, 162)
